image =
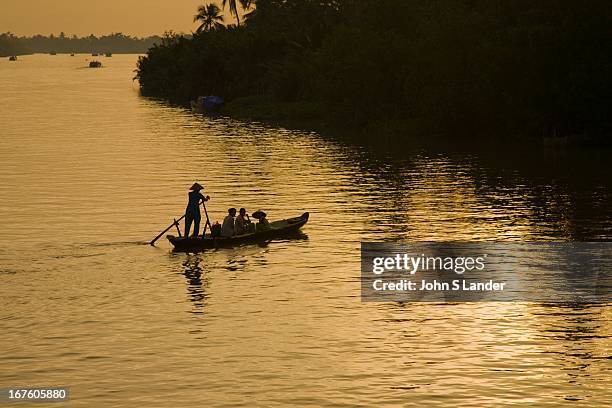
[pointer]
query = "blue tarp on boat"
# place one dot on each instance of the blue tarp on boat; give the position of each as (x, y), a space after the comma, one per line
(212, 102)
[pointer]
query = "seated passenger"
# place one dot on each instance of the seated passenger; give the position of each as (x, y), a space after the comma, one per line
(263, 223)
(243, 223)
(228, 229)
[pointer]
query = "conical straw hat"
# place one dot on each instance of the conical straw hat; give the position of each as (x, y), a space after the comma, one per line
(258, 214)
(196, 187)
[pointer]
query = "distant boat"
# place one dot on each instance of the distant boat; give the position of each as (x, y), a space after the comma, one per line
(72, 54)
(108, 54)
(53, 53)
(207, 104)
(94, 54)
(13, 58)
(95, 64)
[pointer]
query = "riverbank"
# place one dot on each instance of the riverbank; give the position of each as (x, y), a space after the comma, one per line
(467, 70)
(311, 116)
(115, 43)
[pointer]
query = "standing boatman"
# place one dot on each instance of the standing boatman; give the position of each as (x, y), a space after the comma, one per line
(192, 212)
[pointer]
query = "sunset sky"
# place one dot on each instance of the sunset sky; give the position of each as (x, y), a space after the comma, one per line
(84, 17)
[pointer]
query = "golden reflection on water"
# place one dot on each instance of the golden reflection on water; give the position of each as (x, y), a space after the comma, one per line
(90, 170)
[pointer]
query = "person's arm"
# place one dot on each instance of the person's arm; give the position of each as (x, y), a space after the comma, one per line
(204, 198)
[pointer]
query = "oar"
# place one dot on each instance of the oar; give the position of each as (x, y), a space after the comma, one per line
(207, 220)
(166, 230)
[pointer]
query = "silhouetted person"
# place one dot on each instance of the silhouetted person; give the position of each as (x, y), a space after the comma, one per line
(192, 212)
(242, 222)
(228, 229)
(263, 223)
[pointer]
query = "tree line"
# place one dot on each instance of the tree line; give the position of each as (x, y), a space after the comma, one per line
(10, 44)
(521, 67)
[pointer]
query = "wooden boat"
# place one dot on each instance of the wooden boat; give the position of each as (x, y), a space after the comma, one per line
(277, 229)
(13, 58)
(207, 104)
(95, 64)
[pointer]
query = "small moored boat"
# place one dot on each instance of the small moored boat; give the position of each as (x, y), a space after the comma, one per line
(13, 58)
(277, 229)
(95, 64)
(207, 104)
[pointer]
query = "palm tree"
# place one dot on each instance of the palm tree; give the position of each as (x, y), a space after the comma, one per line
(210, 16)
(246, 4)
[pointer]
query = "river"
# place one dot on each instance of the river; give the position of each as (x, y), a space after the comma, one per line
(90, 171)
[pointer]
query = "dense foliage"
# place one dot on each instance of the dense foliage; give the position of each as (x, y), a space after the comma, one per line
(118, 43)
(539, 68)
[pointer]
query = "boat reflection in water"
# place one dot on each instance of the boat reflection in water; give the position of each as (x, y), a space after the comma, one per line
(197, 281)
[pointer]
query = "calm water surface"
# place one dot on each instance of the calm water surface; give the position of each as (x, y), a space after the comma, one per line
(90, 170)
